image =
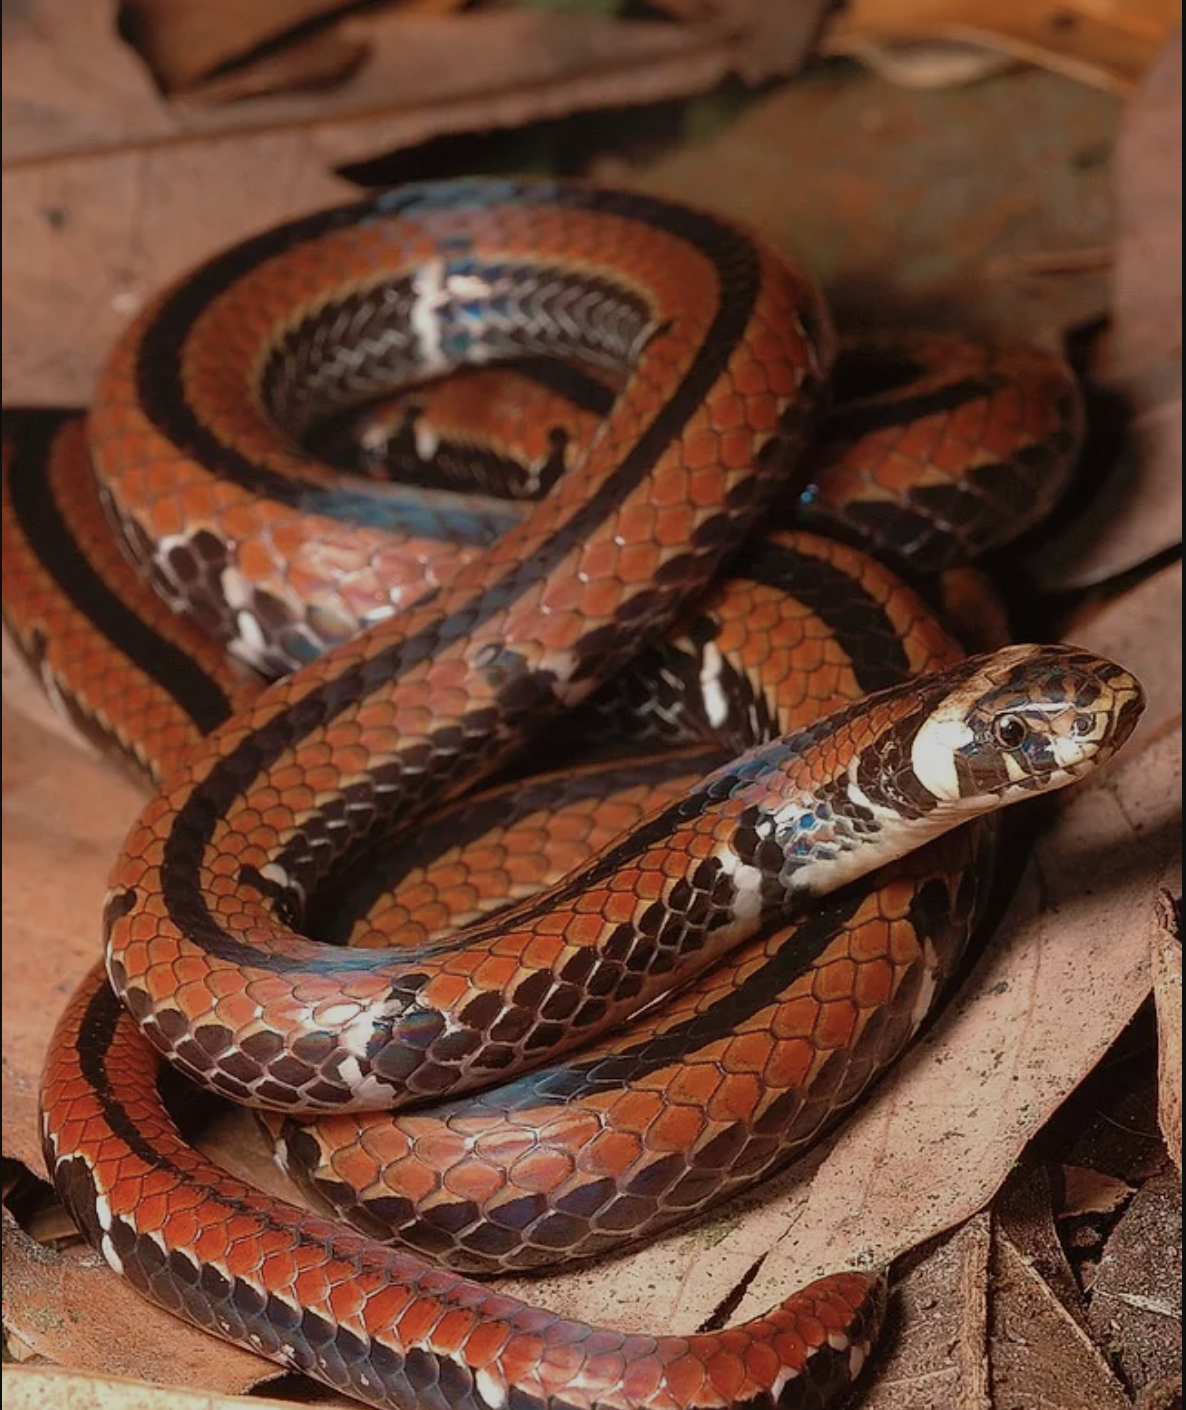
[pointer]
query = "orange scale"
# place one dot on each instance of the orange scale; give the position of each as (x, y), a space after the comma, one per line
(795, 1016)
(747, 1053)
(490, 972)
(677, 1128)
(684, 1381)
(475, 1181)
(874, 984)
(486, 1341)
(416, 1319)
(351, 1161)
(835, 1025)
(347, 1301)
(869, 940)
(789, 1065)
(585, 930)
(834, 980)
(444, 992)
(904, 947)
(181, 1228)
(598, 601)
(541, 1171)
(736, 1099)
(727, 1374)
(212, 1243)
(544, 951)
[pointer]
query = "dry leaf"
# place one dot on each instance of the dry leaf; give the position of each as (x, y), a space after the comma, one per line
(89, 236)
(72, 1309)
(183, 44)
(1136, 1300)
(65, 814)
(1137, 510)
(935, 1352)
(1167, 987)
(1087, 1191)
(1024, 1211)
(897, 200)
(1040, 1356)
(52, 1389)
(1107, 42)
(87, 240)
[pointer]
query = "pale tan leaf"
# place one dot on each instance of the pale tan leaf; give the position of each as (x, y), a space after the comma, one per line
(1167, 987)
(1137, 510)
(52, 1389)
(1106, 42)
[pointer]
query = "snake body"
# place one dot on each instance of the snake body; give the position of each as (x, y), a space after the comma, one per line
(717, 351)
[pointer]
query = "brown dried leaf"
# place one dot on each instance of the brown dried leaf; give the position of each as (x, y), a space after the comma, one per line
(319, 62)
(937, 1340)
(65, 815)
(1167, 987)
(1040, 1356)
(1106, 42)
(1024, 1211)
(1087, 1191)
(1136, 1301)
(90, 235)
(426, 75)
(88, 239)
(1137, 511)
(183, 44)
(52, 1389)
(72, 1309)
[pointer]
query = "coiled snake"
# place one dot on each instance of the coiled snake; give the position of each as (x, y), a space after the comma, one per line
(700, 875)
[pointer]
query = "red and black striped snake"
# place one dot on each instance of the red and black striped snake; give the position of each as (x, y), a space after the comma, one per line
(826, 729)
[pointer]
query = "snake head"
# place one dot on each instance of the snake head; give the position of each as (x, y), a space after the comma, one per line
(1022, 721)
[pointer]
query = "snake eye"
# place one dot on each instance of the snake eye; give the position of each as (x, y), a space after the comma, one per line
(1082, 725)
(1010, 731)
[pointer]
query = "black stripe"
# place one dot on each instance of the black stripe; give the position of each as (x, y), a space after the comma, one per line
(334, 914)
(632, 1064)
(736, 261)
(854, 617)
(572, 383)
(848, 421)
(64, 559)
(97, 1033)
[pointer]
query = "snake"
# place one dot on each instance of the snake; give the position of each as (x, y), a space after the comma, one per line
(737, 883)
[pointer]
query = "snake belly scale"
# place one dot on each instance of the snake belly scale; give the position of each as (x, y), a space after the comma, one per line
(723, 351)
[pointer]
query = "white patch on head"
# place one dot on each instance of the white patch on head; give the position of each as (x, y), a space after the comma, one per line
(932, 755)
(838, 1341)
(857, 1358)
(715, 705)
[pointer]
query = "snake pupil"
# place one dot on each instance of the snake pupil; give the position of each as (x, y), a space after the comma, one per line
(1010, 731)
